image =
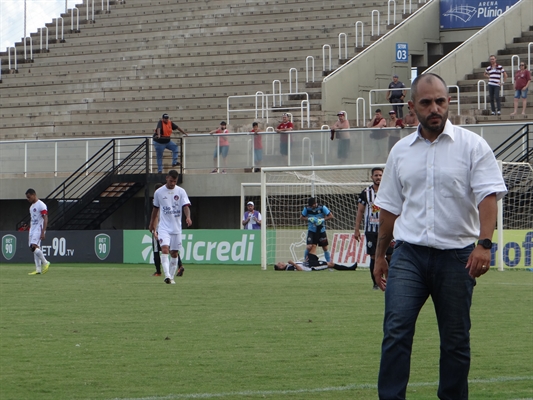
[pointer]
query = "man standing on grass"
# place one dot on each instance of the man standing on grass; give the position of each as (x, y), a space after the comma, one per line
(316, 215)
(438, 194)
(39, 222)
(370, 212)
(169, 201)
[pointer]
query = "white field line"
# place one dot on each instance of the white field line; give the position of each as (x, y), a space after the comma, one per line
(317, 390)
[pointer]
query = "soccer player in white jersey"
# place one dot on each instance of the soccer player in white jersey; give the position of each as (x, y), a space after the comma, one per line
(169, 201)
(39, 222)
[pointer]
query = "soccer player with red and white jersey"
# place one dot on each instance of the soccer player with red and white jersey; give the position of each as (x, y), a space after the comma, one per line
(169, 201)
(39, 222)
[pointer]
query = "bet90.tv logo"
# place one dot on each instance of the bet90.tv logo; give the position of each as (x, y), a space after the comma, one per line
(9, 246)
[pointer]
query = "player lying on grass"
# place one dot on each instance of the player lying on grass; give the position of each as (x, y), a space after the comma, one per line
(312, 263)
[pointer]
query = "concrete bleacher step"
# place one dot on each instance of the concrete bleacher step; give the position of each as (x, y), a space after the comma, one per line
(123, 63)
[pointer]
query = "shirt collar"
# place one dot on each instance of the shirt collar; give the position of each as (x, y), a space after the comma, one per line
(448, 131)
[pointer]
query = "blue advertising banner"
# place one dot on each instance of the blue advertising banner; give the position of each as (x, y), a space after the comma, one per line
(460, 14)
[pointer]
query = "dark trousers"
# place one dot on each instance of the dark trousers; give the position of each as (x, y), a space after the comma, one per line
(398, 108)
(494, 93)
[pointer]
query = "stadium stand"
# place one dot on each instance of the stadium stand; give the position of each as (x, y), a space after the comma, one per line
(187, 58)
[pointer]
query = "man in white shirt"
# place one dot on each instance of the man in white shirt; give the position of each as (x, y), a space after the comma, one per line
(251, 218)
(438, 196)
(169, 201)
(39, 222)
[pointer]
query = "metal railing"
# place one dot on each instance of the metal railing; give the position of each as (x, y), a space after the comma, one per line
(518, 147)
(58, 158)
(265, 103)
(372, 103)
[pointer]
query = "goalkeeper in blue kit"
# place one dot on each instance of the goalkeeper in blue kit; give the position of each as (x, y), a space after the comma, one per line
(316, 215)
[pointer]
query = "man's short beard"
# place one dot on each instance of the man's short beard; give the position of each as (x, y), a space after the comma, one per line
(434, 128)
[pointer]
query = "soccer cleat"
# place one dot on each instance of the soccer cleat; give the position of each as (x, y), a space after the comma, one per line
(167, 281)
(34, 273)
(156, 274)
(45, 269)
(180, 271)
(172, 282)
(376, 287)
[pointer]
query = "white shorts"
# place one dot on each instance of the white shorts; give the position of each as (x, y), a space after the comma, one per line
(173, 241)
(34, 237)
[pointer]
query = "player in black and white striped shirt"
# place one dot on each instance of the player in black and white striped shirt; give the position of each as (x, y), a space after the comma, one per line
(370, 212)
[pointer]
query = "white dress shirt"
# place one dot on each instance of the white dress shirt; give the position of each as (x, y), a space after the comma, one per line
(436, 187)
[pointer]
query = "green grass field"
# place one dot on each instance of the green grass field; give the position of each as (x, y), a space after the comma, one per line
(230, 332)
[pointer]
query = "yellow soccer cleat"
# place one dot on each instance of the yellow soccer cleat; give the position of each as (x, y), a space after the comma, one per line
(45, 269)
(34, 273)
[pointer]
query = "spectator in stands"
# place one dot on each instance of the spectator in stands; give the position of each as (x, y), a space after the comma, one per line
(258, 147)
(222, 147)
(312, 263)
(395, 95)
(284, 128)
(24, 227)
(252, 218)
(394, 122)
(497, 77)
(410, 119)
(378, 121)
(378, 137)
(162, 141)
(522, 78)
(438, 196)
(339, 129)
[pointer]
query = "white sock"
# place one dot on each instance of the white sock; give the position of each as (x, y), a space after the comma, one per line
(37, 262)
(165, 264)
(40, 255)
(173, 266)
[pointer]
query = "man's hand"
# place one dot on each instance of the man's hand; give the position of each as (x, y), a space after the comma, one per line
(357, 235)
(479, 261)
(189, 221)
(381, 272)
(313, 220)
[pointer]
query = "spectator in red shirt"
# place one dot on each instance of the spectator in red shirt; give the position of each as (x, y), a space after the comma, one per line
(258, 146)
(222, 148)
(284, 128)
(522, 78)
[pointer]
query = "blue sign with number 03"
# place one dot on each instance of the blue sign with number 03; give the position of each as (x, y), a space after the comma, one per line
(402, 52)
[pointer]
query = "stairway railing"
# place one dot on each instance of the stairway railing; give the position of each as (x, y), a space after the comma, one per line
(116, 157)
(518, 147)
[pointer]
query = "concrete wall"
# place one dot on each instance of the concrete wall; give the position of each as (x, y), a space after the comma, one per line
(373, 68)
(487, 41)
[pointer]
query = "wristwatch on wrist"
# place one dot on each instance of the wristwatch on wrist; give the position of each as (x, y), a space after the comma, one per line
(486, 243)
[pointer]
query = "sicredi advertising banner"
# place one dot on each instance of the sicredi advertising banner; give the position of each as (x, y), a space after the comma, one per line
(461, 14)
(200, 246)
(219, 247)
(65, 247)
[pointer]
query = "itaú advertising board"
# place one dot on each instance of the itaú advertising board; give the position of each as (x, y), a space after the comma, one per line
(200, 246)
(462, 14)
(516, 248)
